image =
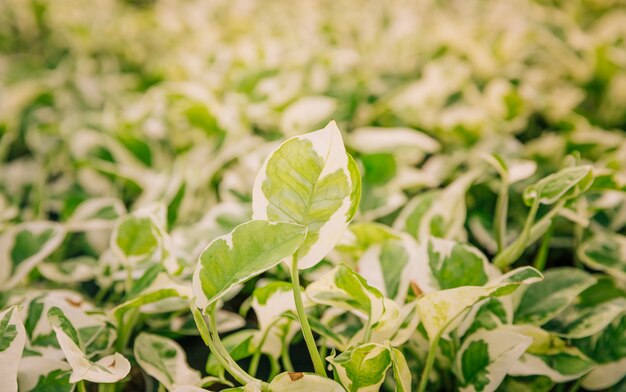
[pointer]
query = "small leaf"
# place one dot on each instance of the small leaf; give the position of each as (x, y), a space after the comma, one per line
(485, 358)
(108, 369)
(24, 246)
(438, 309)
(165, 360)
(567, 183)
(12, 341)
(310, 180)
(362, 368)
(250, 249)
(303, 382)
(605, 252)
(544, 300)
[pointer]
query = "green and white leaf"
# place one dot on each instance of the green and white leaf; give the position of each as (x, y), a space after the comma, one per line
(362, 368)
(163, 294)
(437, 310)
(250, 249)
(303, 382)
(109, 369)
(343, 288)
(96, 214)
(486, 357)
(12, 341)
(564, 184)
(165, 360)
(385, 266)
(41, 373)
(401, 370)
(136, 237)
(78, 269)
(577, 322)
(310, 180)
(543, 301)
(605, 252)
(24, 246)
(445, 264)
(270, 302)
(560, 365)
(439, 214)
(605, 375)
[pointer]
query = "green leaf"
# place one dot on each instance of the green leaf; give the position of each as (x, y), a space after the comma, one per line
(25, 246)
(343, 288)
(310, 180)
(108, 369)
(136, 236)
(544, 300)
(577, 322)
(250, 249)
(12, 341)
(561, 365)
(608, 345)
(606, 252)
(438, 309)
(362, 368)
(401, 371)
(485, 358)
(565, 184)
(165, 360)
(303, 382)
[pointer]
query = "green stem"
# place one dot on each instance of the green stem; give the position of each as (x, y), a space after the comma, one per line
(286, 358)
(126, 325)
(512, 252)
(81, 386)
(106, 387)
(318, 364)
(502, 206)
(208, 332)
(430, 361)
(542, 253)
(575, 386)
(162, 388)
(368, 331)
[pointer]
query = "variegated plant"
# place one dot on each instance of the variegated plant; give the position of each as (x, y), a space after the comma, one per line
(170, 220)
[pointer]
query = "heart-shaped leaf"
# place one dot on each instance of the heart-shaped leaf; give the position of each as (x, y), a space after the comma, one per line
(250, 249)
(310, 180)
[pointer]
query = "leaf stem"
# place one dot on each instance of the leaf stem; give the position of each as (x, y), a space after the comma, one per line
(81, 386)
(542, 253)
(318, 364)
(512, 252)
(430, 361)
(502, 206)
(208, 332)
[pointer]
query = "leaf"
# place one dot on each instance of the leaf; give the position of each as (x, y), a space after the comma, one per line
(437, 310)
(108, 369)
(135, 237)
(564, 184)
(577, 322)
(444, 264)
(607, 345)
(606, 252)
(343, 288)
(303, 382)
(250, 249)
(96, 214)
(544, 300)
(239, 346)
(310, 180)
(605, 376)
(401, 370)
(12, 341)
(386, 265)
(560, 366)
(362, 368)
(24, 246)
(485, 358)
(165, 360)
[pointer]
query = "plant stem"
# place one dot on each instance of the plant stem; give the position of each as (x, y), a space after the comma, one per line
(126, 325)
(368, 331)
(430, 361)
(512, 252)
(81, 386)
(286, 358)
(161, 388)
(542, 253)
(318, 364)
(208, 332)
(502, 206)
